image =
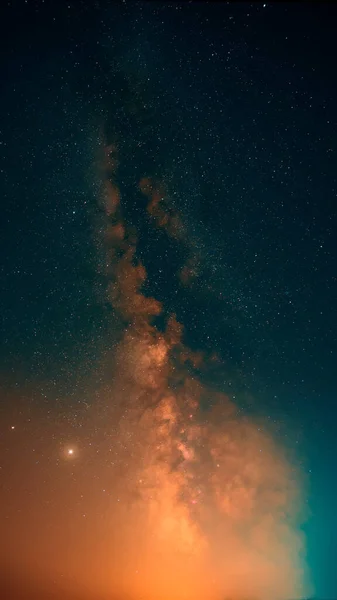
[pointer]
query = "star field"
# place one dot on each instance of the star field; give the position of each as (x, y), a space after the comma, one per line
(220, 125)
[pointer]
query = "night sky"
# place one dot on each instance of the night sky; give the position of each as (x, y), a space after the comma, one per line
(216, 126)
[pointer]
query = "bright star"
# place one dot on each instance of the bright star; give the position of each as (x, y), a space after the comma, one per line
(69, 451)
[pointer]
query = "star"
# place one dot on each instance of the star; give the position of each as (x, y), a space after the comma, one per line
(69, 452)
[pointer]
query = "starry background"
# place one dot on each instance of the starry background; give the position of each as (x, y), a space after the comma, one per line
(237, 103)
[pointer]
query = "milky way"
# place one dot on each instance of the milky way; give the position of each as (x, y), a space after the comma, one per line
(207, 504)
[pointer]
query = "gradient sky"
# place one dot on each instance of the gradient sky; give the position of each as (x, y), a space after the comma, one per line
(232, 104)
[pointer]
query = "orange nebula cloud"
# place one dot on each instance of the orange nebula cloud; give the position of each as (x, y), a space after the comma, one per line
(208, 504)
